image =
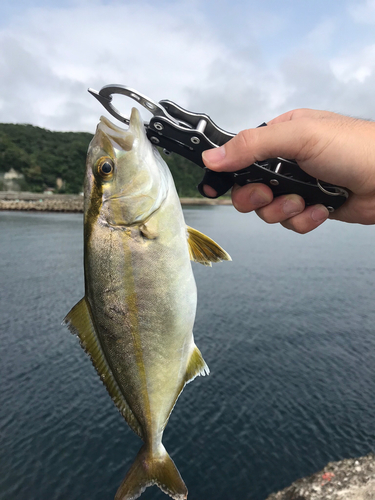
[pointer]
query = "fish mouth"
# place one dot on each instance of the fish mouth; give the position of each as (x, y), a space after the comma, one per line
(120, 138)
(123, 138)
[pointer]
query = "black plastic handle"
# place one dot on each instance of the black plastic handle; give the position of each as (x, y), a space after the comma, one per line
(283, 176)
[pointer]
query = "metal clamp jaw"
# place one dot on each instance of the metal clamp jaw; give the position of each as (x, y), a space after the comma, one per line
(189, 134)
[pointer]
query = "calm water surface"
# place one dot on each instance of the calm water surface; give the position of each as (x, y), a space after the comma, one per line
(287, 329)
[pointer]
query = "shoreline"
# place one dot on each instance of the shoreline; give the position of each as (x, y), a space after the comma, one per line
(72, 203)
(348, 479)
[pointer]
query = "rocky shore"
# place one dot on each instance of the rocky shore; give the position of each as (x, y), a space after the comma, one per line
(47, 202)
(350, 479)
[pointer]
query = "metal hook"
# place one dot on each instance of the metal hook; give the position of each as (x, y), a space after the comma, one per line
(104, 96)
(338, 191)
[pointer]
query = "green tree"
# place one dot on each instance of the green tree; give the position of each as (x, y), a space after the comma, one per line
(43, 156)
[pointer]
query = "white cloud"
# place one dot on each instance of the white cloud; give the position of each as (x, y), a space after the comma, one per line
(358, 66)
(363, 12)
(320, 37)
(239, 93)
(49, 56)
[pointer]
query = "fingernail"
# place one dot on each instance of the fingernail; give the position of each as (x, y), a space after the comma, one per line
(259, 199)
(214, 155)
(209, 191)
(292, 207)
(319, 214)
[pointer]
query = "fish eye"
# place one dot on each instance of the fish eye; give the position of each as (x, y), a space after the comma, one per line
(105, 167)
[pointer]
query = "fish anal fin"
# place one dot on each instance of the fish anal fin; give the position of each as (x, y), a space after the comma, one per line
(80, 323)
(149, 469)
(196, 366)
(203, 249)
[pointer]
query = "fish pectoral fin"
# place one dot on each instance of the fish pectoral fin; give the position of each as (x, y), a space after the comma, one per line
(196, 366)
(203, 249)
(80, 323)
(148, 470)
(148, 232)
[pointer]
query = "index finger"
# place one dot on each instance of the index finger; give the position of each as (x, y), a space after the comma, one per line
(286, 139)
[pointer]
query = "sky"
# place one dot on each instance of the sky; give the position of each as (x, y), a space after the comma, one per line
(240, 62)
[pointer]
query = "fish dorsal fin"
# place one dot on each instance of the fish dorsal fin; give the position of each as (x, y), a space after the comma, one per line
(79, 322)
(196, 366)
(203, 249)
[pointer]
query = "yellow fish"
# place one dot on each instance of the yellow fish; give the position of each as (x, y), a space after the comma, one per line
(136, 318)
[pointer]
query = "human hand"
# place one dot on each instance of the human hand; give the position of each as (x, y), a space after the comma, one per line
(331, 147)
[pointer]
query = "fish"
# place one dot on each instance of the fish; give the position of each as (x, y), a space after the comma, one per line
(136, 318)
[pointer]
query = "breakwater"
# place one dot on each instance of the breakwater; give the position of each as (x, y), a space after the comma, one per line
(46, 202)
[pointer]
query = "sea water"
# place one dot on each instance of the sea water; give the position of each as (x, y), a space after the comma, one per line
(287, 330)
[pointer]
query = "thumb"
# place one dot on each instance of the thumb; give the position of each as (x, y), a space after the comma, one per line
(286, 139)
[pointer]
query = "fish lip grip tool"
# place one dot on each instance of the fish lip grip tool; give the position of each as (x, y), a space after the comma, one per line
(188, 134)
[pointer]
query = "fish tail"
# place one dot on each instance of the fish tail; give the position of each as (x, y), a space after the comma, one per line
(148, 470)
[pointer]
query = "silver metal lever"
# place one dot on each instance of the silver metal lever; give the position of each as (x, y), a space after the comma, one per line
(104, 96)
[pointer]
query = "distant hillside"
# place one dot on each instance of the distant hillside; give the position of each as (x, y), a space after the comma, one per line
(56, 160)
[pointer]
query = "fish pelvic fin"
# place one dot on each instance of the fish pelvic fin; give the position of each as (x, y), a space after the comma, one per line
(196, 366)
(149, 469)
(80, 323)
(203, 249)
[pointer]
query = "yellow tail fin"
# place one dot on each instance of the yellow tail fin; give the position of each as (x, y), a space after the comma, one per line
(148, 470)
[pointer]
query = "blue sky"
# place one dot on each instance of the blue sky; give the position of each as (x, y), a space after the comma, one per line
(241, 62)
